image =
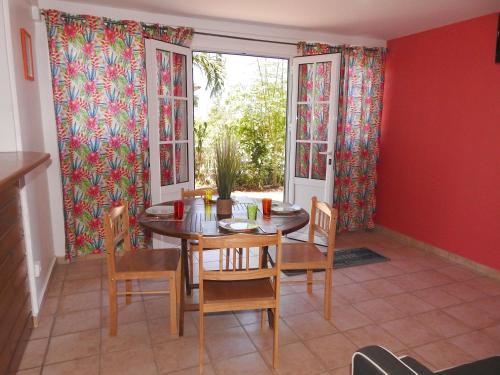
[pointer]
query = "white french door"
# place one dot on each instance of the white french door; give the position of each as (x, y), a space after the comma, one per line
(170, 115)
(313, 128)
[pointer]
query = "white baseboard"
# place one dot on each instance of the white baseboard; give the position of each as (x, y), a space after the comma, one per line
(44, 290)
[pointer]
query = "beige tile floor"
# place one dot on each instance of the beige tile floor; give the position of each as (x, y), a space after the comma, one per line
(416, 304)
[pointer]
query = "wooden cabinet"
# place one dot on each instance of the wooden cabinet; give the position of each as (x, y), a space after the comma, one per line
(15, 306)
(15, 302)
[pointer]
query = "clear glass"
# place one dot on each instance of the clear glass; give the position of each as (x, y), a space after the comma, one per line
(318, 171)
(305, 82)
(180, 120)
(322, 81)
(181, 162)
(302, 160)
(320, 122)
(166, 164)
(304, 113)
(165, 127)
(164, 79)
(179, 72)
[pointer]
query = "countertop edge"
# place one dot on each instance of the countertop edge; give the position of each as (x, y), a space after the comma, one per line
(21, 164)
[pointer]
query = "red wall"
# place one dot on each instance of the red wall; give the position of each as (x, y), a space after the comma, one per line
(439, 170)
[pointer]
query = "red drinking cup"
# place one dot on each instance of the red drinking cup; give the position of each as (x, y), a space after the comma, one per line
(178, 210)
(266, 207)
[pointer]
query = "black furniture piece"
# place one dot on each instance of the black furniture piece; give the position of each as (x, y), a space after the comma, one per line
(375, 360)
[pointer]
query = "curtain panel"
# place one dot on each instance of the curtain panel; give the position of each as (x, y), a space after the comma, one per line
(98, 82)
(181, 36)
(358, 131)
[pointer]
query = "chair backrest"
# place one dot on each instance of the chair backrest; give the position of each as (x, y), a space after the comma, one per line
(248, 246)
(116, 231)
(195, 193)
(323, 220)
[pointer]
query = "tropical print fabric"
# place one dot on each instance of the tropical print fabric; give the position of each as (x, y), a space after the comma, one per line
(358, 131)
(98, 80)
(181, 36)
(99, 89)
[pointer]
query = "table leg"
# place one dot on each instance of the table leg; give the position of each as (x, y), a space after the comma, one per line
(184, 254)
(182, 286)
(265, 258)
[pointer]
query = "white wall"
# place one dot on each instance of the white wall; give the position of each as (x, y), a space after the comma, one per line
(7, 128)
(27, 116)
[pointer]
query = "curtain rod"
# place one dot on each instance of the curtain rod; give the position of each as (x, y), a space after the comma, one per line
(272, 41)
(243, 38)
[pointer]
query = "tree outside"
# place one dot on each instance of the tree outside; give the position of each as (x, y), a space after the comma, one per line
(252, 107)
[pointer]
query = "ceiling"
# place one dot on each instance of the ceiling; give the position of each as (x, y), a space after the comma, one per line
(384, 19)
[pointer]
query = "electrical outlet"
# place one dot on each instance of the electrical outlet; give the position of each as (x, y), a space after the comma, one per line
(38, 269)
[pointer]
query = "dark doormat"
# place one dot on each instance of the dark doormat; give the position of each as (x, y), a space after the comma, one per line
(349, 258)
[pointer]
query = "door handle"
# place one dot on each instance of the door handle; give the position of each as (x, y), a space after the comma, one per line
(329, 153)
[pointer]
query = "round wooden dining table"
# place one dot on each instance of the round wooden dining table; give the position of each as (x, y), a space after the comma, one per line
(201, 218)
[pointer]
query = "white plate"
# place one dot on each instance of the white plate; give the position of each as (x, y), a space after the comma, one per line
(160, 210)
(238, 225)
(285, 208)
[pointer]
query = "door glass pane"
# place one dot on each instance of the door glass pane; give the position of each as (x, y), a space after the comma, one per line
(165, 119)
(323, 78)
(180, 119)
(318, 171)
(305, 82)
(166, 164)
(179, 71)
(302, 160)
(181, 162)
(163, 61)
(320, 123)
(304, 121)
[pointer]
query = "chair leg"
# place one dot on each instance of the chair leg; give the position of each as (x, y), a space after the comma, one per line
(328, 294)
(262, 318)
(276, 361)
(309, 281)
(113, 308)
(128, 289)
(191, 266)
(173, 304)
(202, 338)
(178, 283)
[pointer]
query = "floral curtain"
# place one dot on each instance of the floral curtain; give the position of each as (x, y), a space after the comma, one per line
(98, 81)
(175, 35)
(99, 88)
(358, 131)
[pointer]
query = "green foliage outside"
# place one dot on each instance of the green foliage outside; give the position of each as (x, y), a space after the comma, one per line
(256, 116)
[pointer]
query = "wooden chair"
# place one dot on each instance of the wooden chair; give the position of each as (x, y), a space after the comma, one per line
(193, 245)
(305, 255)
(240, 288)
(137, 265)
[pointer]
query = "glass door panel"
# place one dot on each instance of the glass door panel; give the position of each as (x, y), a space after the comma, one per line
(313, 128)
(170, 109)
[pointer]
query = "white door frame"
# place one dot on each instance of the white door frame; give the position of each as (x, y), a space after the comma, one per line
(326, 185)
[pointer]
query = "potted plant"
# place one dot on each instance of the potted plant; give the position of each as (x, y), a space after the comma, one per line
(227, 165)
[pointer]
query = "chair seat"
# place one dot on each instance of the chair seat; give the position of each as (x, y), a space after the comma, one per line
(148, 260)
(302, 255)
(235, 291)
